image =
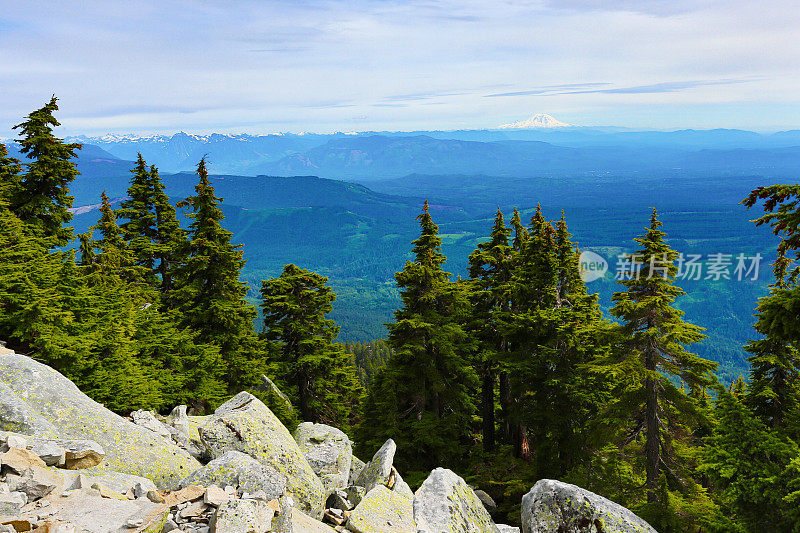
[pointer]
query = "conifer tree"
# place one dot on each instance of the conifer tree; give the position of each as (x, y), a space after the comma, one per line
(170, 241)
(139, 227)
(490, 270)
(209, 294)
(653, 350)
(9, 173)
(41, 195)
(755, 472)
(318, 370)
(423, 397)
(774, 389)
(115, 256)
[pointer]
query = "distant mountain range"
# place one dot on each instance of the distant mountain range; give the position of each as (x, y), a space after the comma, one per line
(519, 151)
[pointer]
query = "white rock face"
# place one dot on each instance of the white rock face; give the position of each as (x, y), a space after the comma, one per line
(536, 121)
(555, 506)
(445, 502)
(329, 452)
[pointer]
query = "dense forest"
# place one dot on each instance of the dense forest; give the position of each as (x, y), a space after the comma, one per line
(507, 376)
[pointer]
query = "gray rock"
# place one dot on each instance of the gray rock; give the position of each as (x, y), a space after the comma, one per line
(91, 513)
(445, 502)
(51, 453)
(382, 510)
(245, 424)
(399, 486)
(148, 420)
(356, 466)
(338, 500)
(378, 470)
(555, 506)
(215, 496)
(129, 448)
(116, 481)
(240, 471)
(487, 501)
(16, 415)
(355, 494)
(36, 483)
(329, 452)
(507, 529)
(242, 516)
(12, 503)
(82, 454)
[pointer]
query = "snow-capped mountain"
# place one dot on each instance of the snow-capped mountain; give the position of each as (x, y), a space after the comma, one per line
(536, 121)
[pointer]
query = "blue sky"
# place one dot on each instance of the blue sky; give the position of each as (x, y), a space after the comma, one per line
(266, 66)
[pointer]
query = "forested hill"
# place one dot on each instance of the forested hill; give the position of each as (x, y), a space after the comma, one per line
(358, 235)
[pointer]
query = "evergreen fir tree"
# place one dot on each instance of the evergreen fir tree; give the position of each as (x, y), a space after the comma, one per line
(138, 210)
(9, 173)
(755, 472)
(41, 195)
(653, 349)
(115, 256)
(171, 246)
(774, 390)
(490, 270)
(423, 397)
(324, 383)
(209, 294)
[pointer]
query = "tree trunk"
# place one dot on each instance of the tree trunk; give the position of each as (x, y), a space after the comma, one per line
(505, 406)
(653, 434)
(487, 400)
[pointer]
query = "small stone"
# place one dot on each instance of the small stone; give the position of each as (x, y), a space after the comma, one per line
(186, 494)
(51, 453)
(83, 454)
(215, 496)
(169, 525)
(17, 441)
(193, 509)
(19, 460)
(133, 524)
(12, 503)
(36, 483)
(154, 496)
(260, 495)
(139, 491)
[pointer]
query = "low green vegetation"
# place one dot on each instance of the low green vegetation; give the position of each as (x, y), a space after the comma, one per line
(507, 376)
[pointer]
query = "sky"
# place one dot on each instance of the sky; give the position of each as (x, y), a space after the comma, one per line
(321, 65)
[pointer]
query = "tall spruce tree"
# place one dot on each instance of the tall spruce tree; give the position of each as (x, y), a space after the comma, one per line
(139, 227)
(171, 246)
(653, 352)
(774, 389)
(423, 397)
(318, 371)
(209, 294)
(41, 195)
(490, 269)
(114, 254)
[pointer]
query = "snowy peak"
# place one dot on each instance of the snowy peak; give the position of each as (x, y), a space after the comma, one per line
(536, 121)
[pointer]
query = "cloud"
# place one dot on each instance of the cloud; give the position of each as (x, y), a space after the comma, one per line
(222, 66)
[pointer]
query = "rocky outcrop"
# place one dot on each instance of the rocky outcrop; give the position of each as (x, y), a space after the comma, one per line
(240, 471)
(555, 506)
(445, 502)
(379, 468)
(52, 398)
(245, 424)
(329, 452)
(382, 511)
